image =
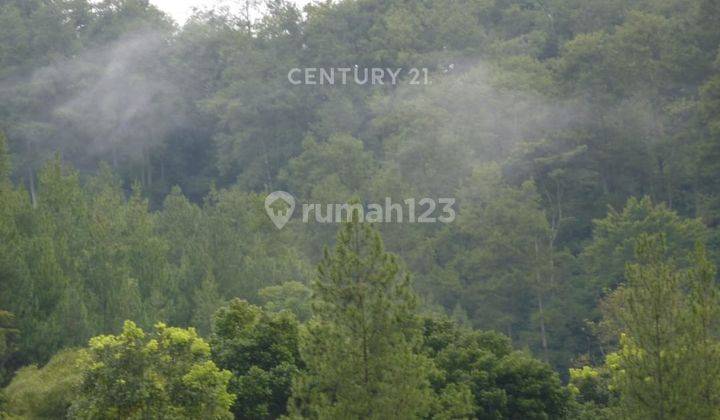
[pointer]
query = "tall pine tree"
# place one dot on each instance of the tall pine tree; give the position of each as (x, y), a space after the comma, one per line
(667, 366)
(361, 344)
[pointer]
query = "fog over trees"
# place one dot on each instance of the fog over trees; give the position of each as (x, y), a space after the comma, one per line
(576, 144)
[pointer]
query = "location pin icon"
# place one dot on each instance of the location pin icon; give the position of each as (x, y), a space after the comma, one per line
(280, 205)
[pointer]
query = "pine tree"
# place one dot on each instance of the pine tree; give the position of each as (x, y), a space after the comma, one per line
(361, 345)
(702, 341)
(655, 369)
(207, 300)
(55, 256)
(8, 250)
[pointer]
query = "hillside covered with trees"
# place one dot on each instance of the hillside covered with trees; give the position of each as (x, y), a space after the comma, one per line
(141, 278)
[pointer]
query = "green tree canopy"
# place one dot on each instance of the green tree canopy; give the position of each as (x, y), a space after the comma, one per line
(165, 374)
(262, 351)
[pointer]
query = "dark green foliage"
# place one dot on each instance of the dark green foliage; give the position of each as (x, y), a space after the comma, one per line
(616, 237)
(666, 366)
(262, 352)
(292, 296)
(504, 383)
(539, 117)
(8, 338)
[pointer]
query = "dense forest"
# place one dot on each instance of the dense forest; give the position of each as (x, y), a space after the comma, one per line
(141, 278)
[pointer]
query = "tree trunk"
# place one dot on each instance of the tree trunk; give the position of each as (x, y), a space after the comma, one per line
(31, 184)
(543, 335)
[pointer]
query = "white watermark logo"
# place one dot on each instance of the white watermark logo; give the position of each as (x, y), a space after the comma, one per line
(280, 206)
(358, 76)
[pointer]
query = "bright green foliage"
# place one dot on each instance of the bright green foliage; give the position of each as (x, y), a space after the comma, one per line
(262, 351)
(590, 389)
(164, 374)
(47, 392)
(360, 348)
